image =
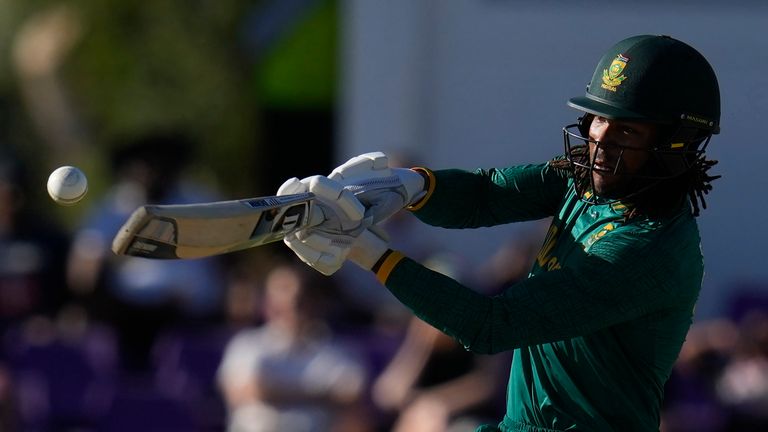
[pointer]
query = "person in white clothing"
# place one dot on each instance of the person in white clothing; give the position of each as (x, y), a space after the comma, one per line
(288, 374)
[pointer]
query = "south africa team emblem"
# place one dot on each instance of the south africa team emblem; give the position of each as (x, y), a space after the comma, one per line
(612, 77)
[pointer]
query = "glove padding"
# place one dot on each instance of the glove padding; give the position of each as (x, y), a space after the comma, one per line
(383, 190)
(326, 252)
(339, 209)
(338, 215)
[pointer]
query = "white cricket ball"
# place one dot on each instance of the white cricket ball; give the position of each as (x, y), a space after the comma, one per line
(67, 185)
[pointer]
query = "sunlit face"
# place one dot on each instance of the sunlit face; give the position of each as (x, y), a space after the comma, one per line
(621, 150)
(282, 291)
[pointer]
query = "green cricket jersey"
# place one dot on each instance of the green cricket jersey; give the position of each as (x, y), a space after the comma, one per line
(598, 324)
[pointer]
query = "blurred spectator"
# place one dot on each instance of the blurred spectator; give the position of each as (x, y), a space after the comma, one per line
(141, 297)
(743, 384)
(8, 408)
(63, 371)
(720, 380)
(289, 374)
(434, 383)
(243, 299)
(32, 251)
(690, 402)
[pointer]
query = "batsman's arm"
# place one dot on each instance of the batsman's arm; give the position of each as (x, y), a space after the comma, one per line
(463, 199)
(452, 198)
(551, 306)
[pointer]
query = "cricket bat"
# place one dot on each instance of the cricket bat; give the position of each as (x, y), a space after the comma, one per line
(185, 231)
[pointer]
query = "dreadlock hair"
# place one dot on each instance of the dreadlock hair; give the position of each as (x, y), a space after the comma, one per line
(657, 199)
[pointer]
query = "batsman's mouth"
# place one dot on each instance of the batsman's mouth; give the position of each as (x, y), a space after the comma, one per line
(602, 169)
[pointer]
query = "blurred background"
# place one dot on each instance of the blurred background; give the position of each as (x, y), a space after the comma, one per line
(187, 101)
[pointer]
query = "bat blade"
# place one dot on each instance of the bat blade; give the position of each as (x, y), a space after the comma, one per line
(185, 231)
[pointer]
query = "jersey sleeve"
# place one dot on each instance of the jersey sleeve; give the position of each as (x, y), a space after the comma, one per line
(464, 199)
(610, 285)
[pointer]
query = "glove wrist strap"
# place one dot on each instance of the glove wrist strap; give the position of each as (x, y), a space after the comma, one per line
(381, 260)
(429, 188)
(386, 264)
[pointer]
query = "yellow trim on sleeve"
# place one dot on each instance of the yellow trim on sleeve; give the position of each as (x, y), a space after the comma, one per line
(430, 188)
(388, 265)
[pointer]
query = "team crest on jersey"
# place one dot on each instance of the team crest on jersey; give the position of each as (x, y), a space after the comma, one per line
(613, 76)
(600, 234)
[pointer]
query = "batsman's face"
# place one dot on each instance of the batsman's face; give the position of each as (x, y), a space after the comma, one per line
(618, 149)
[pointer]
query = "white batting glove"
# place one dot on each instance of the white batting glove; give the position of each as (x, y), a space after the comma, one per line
(369, 247)
(339, 208)
(322, 251)
(340, 218)
(326, 252)
(383, 190)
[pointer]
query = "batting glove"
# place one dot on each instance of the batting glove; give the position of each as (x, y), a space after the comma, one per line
(383, 190)
(338, 215)
(326, 251)
(340, 209)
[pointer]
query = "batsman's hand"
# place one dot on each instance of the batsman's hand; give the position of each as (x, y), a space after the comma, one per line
(326, 251)
(338, 215)
(341, 211)
(383, 190)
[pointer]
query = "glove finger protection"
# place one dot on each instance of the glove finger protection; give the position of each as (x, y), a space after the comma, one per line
(326, 252)
(322, 251)
(366, 165)
(339, 210)
(338, 219)
(292, 186)
(342, 211)
(383, 190)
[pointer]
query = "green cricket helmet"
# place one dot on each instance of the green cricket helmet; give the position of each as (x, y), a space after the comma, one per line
(655, 79)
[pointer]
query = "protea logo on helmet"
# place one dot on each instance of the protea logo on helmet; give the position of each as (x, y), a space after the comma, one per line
(612, 77)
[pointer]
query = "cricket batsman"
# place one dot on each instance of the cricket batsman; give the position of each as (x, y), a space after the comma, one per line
(599, 322)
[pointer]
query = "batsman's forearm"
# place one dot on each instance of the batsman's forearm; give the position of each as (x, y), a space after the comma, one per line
(463, 199)
(435, 298)
(551, 306)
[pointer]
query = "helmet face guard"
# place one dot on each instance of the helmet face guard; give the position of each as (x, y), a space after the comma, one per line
(674, 154)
